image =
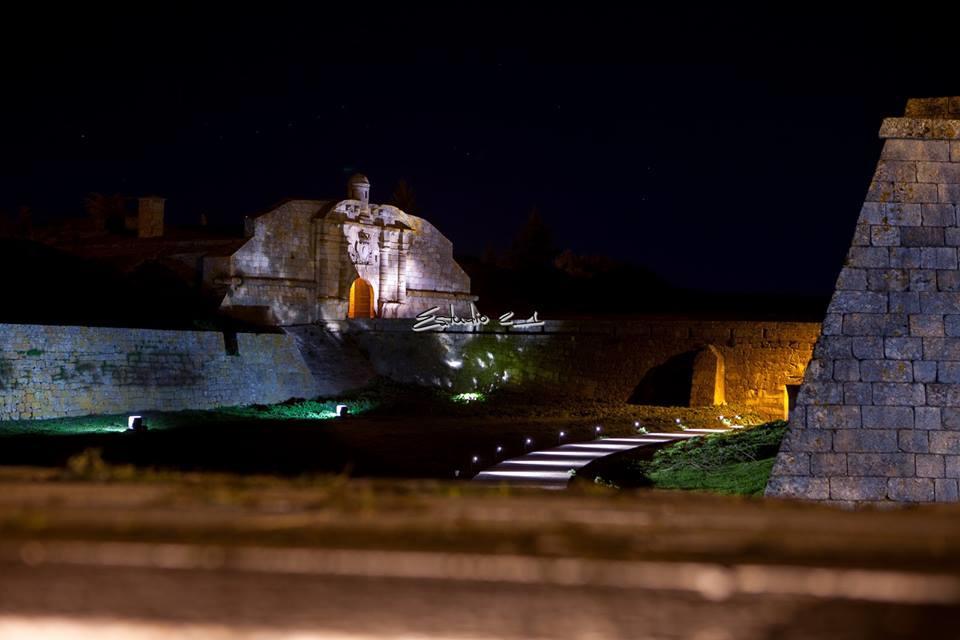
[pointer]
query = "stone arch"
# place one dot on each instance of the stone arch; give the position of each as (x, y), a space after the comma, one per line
(707, 384)
(667, 384)
(361, 300)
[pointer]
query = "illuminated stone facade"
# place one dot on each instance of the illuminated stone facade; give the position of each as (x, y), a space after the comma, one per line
(878, 415)
(306, 258)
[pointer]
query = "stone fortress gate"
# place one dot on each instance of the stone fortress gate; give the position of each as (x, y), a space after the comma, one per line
(878, 414)
(313, 260)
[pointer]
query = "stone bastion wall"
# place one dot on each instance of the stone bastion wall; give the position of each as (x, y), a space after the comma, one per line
(55, 371)
(647, 361)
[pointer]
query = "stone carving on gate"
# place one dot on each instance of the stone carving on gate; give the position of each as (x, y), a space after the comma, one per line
(363, 250)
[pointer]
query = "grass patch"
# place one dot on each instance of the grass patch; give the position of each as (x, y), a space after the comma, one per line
(740, 478)
(738, 462)
(294, 409)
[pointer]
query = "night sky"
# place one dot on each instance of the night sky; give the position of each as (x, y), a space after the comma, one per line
(720, 156)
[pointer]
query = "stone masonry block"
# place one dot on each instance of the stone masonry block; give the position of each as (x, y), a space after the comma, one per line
(924, 371)
(861, 236)
(867, 347)
(808, 440)
(923, 280)
(942, 395)
(858, 489)
(938, 257)
(833, 417)
(951, 236)
(865, 441)
(884, 236)
(937, 172)
(951, 325)
(948, 280)
(819, 370)
(882, 464)
(887, 417)
(951, 466)
(932, 150)
(929, 465)
(828, 464)
(950, 418)
(910, 489)
(887, 192)
(852, 279)
(857, 393)
(905, 257)
(947, 442)
(793, 464)
(832, 324)
(901, 171)
(948, 193)
(904, 301)
(820, 393)
(831, 347)
(948, 372)
(927, 417)
(941, 348)
(938, 302)
(945, 490)
(799, 487)
(873, 324)
(926, 325)
(898, 393)
(859, 302)
(914, 441)
(888, 279)
(880, 212)
(846, 370)
(869, 257)
(921, 237)
(938, 215)
(903, 348)
(886, 371)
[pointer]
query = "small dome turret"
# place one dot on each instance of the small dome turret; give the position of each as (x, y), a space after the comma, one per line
(358, 188)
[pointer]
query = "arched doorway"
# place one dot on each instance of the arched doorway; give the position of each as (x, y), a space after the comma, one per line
(361, 300)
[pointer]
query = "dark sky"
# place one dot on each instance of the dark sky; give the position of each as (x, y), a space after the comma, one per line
(720, 155)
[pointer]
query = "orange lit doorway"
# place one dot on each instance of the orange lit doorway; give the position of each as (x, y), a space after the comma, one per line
(361, 299)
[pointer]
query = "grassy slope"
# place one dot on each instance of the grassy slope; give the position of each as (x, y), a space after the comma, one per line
(738, 462)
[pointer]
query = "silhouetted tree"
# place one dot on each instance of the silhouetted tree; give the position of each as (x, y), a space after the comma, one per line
(404, 198)
(532, 247)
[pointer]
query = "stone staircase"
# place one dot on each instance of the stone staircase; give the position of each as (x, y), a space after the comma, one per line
(552, 468)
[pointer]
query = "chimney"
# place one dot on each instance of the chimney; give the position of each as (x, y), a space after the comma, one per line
(150, 217)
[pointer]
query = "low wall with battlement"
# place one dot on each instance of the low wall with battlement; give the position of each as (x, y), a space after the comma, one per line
(52, 371)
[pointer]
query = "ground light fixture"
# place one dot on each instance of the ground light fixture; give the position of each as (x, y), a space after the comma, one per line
(136, 423)
(342, 410)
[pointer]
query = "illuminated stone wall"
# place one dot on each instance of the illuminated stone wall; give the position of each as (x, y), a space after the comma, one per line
(601, 360)
(878, 416)
(303, 256)
(49, 371)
